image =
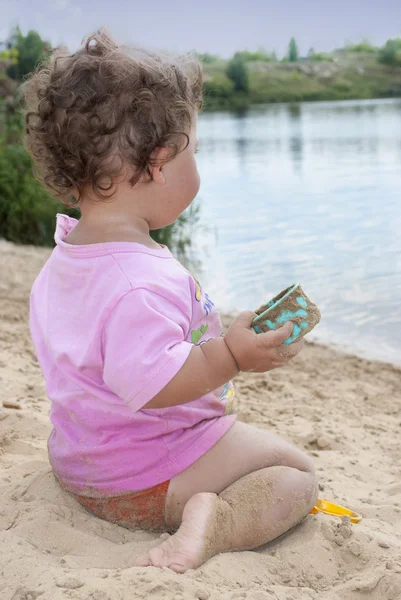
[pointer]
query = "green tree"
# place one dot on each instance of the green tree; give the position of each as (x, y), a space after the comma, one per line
(293, 53)
(390, 54)
(237, 71)
(364, 47)
(30, 48)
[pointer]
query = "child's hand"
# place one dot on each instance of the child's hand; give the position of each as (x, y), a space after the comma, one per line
(259, 352)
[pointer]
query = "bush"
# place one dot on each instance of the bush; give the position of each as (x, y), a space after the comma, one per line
(218, 85)
(364, 47)
(390, 54)
(11, 123)
(321, 57)
(28, 211)
(238, 73)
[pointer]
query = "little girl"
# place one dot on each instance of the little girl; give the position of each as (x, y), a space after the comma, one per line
(138, 373)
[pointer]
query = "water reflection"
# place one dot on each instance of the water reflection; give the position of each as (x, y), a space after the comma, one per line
(241, 140)
(308, 192)
(294, 111)
(296, 139)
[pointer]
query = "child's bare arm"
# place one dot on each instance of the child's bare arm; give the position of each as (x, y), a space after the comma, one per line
(212, 364)
(207, 367)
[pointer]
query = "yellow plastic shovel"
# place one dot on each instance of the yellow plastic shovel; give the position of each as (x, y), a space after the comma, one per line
(335, 510)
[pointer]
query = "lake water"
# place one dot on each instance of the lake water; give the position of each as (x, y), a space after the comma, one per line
(308, 193)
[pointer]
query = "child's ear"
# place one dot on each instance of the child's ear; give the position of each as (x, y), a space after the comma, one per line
(158, 158)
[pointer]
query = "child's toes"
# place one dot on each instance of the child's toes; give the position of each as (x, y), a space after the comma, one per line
(143, 560)
(177, 568)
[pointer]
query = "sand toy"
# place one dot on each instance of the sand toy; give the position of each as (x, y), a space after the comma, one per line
(292, 304)
(335, 510)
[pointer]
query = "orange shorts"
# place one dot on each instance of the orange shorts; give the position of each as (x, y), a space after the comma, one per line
(136, 510)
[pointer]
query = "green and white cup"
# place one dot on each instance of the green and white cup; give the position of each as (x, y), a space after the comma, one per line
(292, 304)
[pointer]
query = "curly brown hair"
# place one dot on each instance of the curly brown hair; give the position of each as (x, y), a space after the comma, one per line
(88, 113)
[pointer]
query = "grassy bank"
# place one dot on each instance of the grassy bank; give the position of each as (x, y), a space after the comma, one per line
(357, 76)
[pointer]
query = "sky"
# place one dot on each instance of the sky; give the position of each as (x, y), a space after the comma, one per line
(216, 26)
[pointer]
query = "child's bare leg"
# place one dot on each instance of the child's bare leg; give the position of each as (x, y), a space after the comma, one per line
(247, 490)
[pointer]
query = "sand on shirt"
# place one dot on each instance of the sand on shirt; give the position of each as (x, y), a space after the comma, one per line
(344, 411)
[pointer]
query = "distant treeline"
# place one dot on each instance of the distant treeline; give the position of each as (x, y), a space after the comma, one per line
(356, 71)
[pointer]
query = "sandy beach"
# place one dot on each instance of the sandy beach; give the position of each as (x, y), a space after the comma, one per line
(344, 411)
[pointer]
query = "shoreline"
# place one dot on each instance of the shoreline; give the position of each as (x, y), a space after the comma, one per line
(365, 354)
(342, 410)
(230, 108)
(42, 253)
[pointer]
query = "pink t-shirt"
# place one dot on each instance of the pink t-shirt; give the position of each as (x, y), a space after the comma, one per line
(112, 324)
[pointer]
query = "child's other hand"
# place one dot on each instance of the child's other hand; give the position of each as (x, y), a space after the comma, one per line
(263, 351)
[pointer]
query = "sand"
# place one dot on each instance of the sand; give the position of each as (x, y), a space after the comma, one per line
(344, 411)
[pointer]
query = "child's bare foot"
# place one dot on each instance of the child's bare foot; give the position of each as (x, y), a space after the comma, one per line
(192, 545)
(251, 512)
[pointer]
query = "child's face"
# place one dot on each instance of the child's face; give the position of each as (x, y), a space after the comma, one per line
(181, 185)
